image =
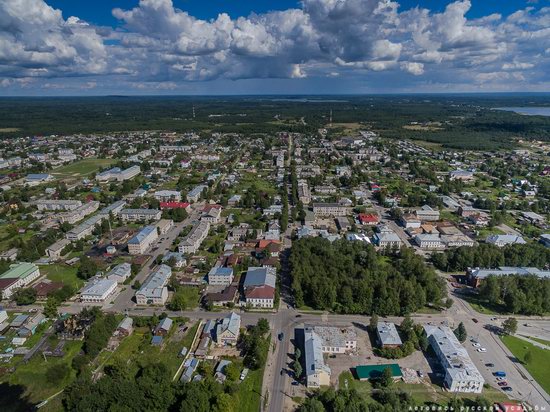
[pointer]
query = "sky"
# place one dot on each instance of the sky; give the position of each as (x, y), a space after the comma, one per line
(216, 47)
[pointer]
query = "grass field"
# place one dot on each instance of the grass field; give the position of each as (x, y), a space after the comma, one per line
(539, 340)
(81, 168)
(62, 273)
(538, 366)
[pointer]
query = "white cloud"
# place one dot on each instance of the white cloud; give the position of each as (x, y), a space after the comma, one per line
(413, 68)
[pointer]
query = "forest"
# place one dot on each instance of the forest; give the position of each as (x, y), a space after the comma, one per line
(464, 121)
(351, 277)
(490, 256)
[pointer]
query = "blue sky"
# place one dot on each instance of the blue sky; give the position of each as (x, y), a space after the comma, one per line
(73, 47)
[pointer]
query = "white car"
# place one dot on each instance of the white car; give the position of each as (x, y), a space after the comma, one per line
(481, 350)
(476, 345)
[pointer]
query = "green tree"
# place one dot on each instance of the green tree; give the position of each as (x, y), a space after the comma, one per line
(386, 380)
(232, 371)
(460, 332)
(373, 324)
(88, 268)
(50, 308)
(179, 302)
(510, 326)
(25, 296)
(297, 367)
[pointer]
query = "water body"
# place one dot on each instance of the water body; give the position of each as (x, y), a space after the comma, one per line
(528, 111)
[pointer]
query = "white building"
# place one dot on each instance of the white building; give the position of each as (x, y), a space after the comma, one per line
(98, 290)
(503, 240)
(329, 209)
(120, 272)
(116, 173)
(317, 372)
(427, 214)
(461, 375)
(193, 240)
(168, 196)
(51, 204)
(220, 276)
(387, 335)
(140, 215)
(195, 194)
(154, 290)
(54, 251)
(143, 240)
(79, 213)
(84, 229)
(336, 340)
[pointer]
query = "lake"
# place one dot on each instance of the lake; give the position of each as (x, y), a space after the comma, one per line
(529, 111)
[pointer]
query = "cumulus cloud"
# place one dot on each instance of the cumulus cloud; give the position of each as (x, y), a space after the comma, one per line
(157, 43)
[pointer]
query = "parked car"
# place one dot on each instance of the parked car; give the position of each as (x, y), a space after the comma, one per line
(490, 365)
(481, 350)
(502, 383)
(500, 374)
(507, 389)
(294, 383)
(281, 336)
(477, 345)
(475, 320)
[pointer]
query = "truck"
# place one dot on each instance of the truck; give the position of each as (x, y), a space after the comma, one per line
(500, 374)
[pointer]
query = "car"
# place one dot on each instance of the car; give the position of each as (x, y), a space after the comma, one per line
(294, 383)
(281, 336)
(481, 350)
(500, 379)
(528, 325)
(477, 345)
(473, 340)
(475, 320)
(490, 365)
(507, 389)
(420, 374)
(502, 383)
(500, 374)
(298, 315)
(282, 371)
(494, 318)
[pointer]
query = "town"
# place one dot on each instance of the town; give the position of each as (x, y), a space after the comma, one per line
(259, 270)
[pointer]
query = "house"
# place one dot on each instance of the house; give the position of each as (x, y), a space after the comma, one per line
(44, 288)
(126, 326)
(259, 287)
(461, 375)
(29, 327)
(195, 194)
(387, 335)
(225, 297)
(343, 223)
(154, 290)
(3, 316)
(227, 331)
(54, 250)
(464, 175)
(98, 290)
(143, 240)
(163, 327)
(335, 340)
(219, 373)
(19, 321)
(386, 237)
(9, 255)
(190, 366)
(316, 370)
(503, 240)
(220, 276)
(410, 221)
(357, 237)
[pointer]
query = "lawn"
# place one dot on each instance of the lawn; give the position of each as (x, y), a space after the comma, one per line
(481, 306)
(33, 377)
(538, 366)
(539, 340)
(81, 168)
(62, 273)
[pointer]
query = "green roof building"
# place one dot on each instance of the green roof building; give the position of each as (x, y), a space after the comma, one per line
(20, 271)
(364, 372)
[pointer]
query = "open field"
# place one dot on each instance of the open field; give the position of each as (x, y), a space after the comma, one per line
(62, 273)
(538, 366)
(9, 129)
(81, 168)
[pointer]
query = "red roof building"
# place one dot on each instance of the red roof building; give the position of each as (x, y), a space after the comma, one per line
(370, 219)
(174, 205)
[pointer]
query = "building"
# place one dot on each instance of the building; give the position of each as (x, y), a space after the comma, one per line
(154, 290)
(190, 366)
(227, 331)
(427, 214)
(98, 290)
(165, 225)
(545, 240)
(168, 196)
(386, 237)
(225, 297)
(369, 219)
(343, 223)
(317, 372)
(140, 215)
(464, 175)
(79, 213)
(114, 208)
(163, 327)
(461, 375)
(335, 340)
(116, 173)
(84, 229)
(9, 255)
(304, 194)
(19, 275)
(37, 178)
(503, 240)
(174, 259)
(195, 194)
(54, 251)
(477, 275)
(387, 335)
(259, 287)
(193, 240)
(176, 205)
(329, 209)
(29, 327)
(211, 214)
(429, 241)
(220, 276)
(143, 240)
(120, 272)
(410, 221)
(54, 205)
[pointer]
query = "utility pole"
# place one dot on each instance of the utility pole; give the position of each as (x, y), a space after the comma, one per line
(193, 112)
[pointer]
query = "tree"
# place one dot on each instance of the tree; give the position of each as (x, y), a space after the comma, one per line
(88, 268)
(179, 302)
(460, 332)
(263, 326)
(528, 357)
(373, 324)
(57, 373)
(297, 367)
(50, 309)
(510, 326)
(232, 371)
(25, 296)
(386, 380)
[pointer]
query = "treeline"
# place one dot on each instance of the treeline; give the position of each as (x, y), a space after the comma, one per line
(490, 256)
(526, 295)
(351, 277)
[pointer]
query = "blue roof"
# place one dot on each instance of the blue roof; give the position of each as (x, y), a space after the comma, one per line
(256, 276)
(143, 233)
(156, 340)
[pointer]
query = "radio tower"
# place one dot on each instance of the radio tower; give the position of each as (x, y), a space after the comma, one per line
(330, 119)
(193, 112)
